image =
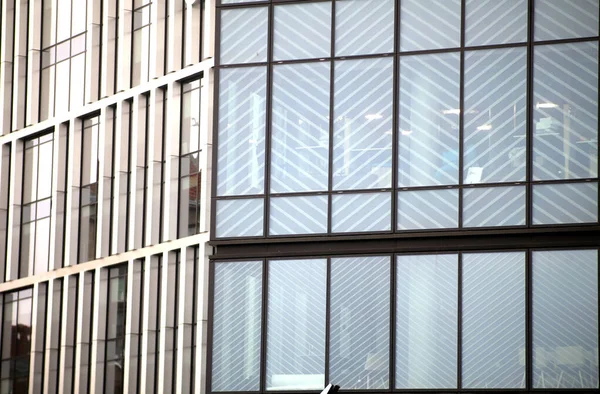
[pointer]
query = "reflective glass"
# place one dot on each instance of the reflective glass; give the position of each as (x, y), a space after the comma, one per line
(361, 212)
(364, 27)
(294, 38)
(493, 320)
(556, 19)
(426, 321)
(298, 215)
(429, 24)
(494, 118)
(495, 22)
(494, 206)
(423, 209)
(565, 203)
(244, 35)
(240, 218)
(429, 117)
(300, 132)
(360, 322)
(565, 319)
(362, 150)
(296, 325)
(241, 138)
(190, 122)
(30, 175)
(565, 89)
(42, 246)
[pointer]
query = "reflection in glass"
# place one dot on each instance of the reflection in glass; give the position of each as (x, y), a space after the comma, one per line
(300, 133)
(495, 22)
(565, 203)
(363, 124)
(565, 319)
(116, 313)
(360, 322)
(494, 206)
(236, 326)
(429, 24)
(493, 320)
(428, 123)
(424, 209)
(494, 118)
(298, 215)
(296, 325)
(241, 138)
(239, 218)
(557, 19)
(426, 321)
(361, 212)
(565, 89)
(364, 27)
(190, 195)
(294, 38)
(243, 35)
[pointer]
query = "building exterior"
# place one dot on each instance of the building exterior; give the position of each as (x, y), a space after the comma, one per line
(404, 196)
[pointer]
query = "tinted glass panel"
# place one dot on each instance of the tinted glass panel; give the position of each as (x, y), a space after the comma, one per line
(244, 35)
(298, 215)
(429, 116)
(361, 212)
(241, 141)
(556, 19)
(360, 322)
(494, 118)
(565, 319)
(240, 218)
(426, 321)
(566, 203)
(300, 133)
(565, 89)
(495, 22)
(429, 24)
(363, 124)
(364, 27)
(424, 209)
(294, 38)
(494, 206)
(493, 320)
(296, 325)
(236, 326)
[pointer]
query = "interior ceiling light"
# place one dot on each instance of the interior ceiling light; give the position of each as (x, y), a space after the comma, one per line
(453, 111)
(373, 116)
(546, 105)
(485, 127)
(406, 132)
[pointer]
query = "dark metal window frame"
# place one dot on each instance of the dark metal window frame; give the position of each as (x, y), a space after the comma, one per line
(528, 183)
(528, 334)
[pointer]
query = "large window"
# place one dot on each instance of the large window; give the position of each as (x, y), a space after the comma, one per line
(453, 320)
(16, 341)
(492, 122)
(37, 203)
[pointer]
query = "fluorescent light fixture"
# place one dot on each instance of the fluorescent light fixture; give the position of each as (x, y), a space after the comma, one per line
(373, 116)
(546, 105)
(485, 127)
(406, 132)
(453, 111)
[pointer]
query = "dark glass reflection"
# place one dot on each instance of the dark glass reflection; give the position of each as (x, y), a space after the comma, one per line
(115, 330)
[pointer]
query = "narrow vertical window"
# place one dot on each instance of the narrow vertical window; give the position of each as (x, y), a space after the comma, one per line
(89, 190)
(115, 330)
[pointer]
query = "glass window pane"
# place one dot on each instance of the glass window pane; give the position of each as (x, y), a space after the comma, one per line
(565, 89)
(495, 22)
(190, 122)
(429, 115)
(493, 320)
(296, 325)
(244, 35)
(240, 218)
(363, 124)
(302, 31)
(361, 212)
(241, 150)
(556, 19)
(236, 326)
(364, 27)
(30, 175)
(426, 321)
(42, 245)
(360, 322)
(494, 118)
(429, 24)
(565, 203)
(565, 319)
(300, 134)
(494, 206)
(425, 209)
(298, 215)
